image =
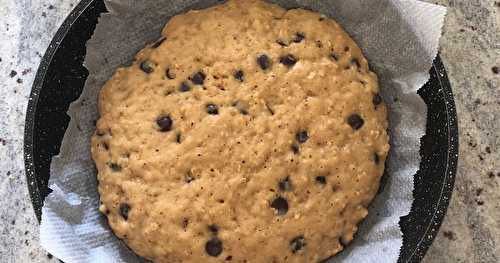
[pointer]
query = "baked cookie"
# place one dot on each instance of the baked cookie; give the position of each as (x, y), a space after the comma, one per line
(247, 133)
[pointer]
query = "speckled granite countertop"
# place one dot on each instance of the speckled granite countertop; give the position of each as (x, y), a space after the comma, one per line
(470, 49)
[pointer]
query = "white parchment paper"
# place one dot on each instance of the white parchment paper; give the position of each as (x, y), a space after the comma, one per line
(399, 38)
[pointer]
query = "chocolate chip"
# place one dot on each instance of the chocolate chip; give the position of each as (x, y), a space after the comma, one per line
(302, 136)
(159, 42)
(184, 87)
(229, 258)
(281, 205)
(198, 78)
(264, 61)
(288, 60)
(285, 184)
(178, 138)
(243, 111)
(115, 167)
(213, 247)
(321, 179)
(295, 148)
(355, 121)
(268, 107)
(188, 178)
(241, 107)
(165, 123)
(299, 36)
(297, 244)
(377, 100)
(212, 109)
(185, 223)
(170, 74)
(147, 66)
(281, 43)
(213, 228)
(376, 158)
(334, 56)
(124, 209)
(355, 61)
(239, 75)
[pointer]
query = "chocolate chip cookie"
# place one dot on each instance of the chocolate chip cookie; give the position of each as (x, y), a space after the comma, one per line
(246, 133)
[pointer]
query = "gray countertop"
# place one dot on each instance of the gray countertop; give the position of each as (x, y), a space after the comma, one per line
(470, 48)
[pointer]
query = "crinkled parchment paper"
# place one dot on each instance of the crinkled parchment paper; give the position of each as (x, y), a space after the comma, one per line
(399, 38)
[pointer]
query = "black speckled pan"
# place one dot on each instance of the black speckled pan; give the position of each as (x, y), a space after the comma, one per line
(61, 76)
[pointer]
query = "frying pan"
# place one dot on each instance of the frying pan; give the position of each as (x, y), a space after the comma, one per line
(61, 77)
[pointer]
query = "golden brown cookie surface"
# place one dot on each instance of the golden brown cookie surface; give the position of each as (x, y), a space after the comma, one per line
(248, 134)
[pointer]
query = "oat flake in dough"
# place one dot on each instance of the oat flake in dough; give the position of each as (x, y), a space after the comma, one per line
(247, 133)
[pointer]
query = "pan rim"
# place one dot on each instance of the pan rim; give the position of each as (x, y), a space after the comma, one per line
(448, 182)
(45, 63)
